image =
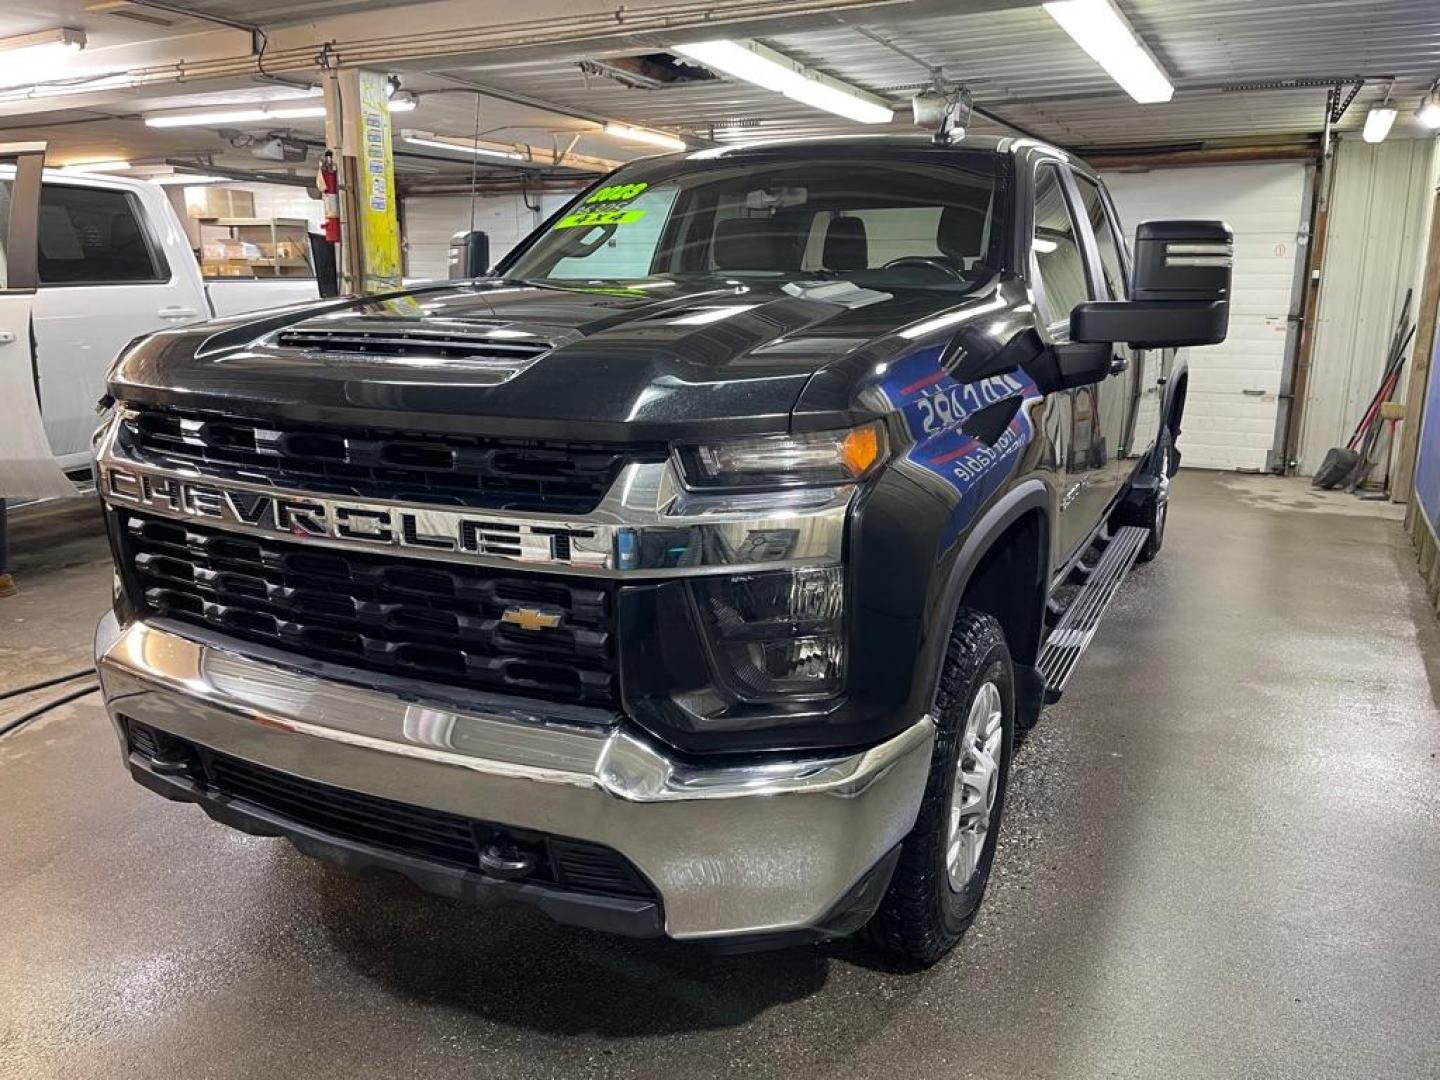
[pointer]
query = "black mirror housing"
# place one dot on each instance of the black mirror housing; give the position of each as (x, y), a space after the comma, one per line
(1183, 260)
(1180, 294)
(1070, 364)
(1151, 324)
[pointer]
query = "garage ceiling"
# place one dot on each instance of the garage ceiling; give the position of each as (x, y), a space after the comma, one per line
(1019, 64)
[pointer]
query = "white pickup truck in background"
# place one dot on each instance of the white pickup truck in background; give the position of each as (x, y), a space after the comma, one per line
(115, 263)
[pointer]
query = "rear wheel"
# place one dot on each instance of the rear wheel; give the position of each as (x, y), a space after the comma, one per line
(945, 861)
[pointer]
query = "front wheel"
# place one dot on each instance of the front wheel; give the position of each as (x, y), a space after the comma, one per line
(945, 861)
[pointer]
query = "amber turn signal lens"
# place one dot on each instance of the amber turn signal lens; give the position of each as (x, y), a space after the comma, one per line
(860, 449)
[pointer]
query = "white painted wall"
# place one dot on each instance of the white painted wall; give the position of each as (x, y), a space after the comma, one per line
(1374, 251)
(1231, 405)
(280, 200)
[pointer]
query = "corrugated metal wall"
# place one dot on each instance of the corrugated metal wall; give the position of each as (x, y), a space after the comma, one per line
(1379, 214)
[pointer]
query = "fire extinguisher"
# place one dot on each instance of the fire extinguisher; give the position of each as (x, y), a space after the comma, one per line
(329, 183)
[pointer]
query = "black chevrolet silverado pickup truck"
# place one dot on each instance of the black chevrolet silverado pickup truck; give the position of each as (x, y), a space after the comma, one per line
(688, 576)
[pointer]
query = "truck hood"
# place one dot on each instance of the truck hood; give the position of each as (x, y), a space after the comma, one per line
(624, 364)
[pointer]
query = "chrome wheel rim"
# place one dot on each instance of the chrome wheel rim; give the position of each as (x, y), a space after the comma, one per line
(977, 780)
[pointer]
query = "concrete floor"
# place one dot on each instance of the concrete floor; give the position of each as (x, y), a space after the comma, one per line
(1222, 859)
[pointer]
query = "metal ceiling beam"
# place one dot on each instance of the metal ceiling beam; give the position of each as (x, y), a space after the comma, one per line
(937, 74)
(249, 176)
(463, 84)
(1165, 157)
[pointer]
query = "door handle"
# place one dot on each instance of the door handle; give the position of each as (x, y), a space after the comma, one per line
(1118, 365)
(178, 313)
(6, 337)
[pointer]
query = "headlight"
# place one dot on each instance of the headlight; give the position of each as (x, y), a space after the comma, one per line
(776, 635)
(827, 457)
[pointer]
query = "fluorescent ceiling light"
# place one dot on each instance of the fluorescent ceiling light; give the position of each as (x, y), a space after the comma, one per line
(33, 58)
(257, 115)
(1043, 246)
(1429, 111)
(83, 85)
(1098, 27)
(627, 133)
(775, 71)
(1377, 123)
(97, 166)
(424, 138)
(404, 101)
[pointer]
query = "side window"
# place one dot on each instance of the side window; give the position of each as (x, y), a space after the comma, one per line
(1055, 248)
(92, 236)
(1107, 238)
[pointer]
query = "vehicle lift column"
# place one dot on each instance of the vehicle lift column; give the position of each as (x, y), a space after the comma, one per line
(357, 131)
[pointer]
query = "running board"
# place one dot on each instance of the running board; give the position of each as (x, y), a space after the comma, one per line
(1073, 633)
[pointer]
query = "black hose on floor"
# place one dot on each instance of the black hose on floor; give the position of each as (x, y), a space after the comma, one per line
(43, 683)
(41, 710)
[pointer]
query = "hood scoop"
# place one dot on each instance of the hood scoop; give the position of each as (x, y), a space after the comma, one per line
(493, 358)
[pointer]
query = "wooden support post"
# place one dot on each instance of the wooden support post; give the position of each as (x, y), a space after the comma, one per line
(1314, 270)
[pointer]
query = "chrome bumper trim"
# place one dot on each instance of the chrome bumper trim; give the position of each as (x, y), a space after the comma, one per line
(646, 526)
(731, 850)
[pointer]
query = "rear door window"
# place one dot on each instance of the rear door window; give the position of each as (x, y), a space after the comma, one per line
(94, 236)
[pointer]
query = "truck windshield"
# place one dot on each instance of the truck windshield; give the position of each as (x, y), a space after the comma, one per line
(882, 224)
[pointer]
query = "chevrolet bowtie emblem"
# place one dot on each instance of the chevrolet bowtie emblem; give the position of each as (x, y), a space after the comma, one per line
(529, 618)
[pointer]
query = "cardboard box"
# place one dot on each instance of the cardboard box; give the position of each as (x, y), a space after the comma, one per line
(214, 250)
(226, 270)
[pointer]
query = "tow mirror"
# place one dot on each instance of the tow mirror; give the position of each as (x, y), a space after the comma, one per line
(1180, 294)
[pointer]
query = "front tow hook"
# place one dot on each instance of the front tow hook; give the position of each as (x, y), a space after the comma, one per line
(506, 861)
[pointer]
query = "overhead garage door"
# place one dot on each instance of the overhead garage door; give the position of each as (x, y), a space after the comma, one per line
(1234, 388)
(431, 220)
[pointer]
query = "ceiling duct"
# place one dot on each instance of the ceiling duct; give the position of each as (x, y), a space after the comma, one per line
(650, 71)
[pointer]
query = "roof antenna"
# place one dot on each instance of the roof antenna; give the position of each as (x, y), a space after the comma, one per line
(945, 108)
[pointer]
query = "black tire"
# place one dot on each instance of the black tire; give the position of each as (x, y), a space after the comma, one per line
(1157, 506)
(922, 916)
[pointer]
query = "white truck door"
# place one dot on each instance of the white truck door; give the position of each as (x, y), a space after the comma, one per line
(27, 471)
(110, 270)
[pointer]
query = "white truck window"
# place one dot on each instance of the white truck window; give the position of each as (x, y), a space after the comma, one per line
(92, 236)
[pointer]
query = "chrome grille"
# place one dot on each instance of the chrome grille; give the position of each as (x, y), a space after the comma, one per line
(405, 466)
(437, 621)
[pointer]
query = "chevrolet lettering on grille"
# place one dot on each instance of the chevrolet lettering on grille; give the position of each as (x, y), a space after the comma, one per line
(435, 532)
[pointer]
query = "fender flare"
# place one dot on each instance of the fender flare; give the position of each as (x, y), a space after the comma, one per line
(1025, 497)
(1179, 376)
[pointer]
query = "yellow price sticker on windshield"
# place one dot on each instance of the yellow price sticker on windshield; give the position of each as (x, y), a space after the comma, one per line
(599, 217)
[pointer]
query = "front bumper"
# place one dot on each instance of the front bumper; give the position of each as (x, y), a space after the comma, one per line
(748, 850)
